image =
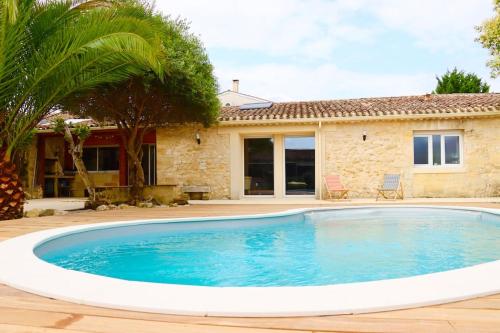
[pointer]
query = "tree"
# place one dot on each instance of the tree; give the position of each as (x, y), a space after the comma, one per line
(459, 82)
(490, 38)
(50, 50)
(76, 138)
(188, 93)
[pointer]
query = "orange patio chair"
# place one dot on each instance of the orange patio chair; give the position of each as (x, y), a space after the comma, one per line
(335, 188)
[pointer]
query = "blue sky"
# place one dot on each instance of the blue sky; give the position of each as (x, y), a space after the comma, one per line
(286, 50)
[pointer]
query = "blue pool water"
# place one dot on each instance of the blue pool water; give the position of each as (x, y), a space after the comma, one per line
(314, 248)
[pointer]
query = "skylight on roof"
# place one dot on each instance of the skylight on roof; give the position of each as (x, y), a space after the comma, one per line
(255, 106)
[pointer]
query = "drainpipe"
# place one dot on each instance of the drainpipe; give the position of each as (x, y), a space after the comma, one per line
(320, 162)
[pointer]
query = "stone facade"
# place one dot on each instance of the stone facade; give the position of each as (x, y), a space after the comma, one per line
(361, 164)
(182, 161)
(217, 161)
(389, 149)
(105, 178)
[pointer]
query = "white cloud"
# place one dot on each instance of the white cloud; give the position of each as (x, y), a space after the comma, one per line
(312, 30)
(435, 24)
(277, 27)
(281, 82)
(314, 27)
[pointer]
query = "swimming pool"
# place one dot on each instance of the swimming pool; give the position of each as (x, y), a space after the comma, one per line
(300, 262)
(314, 248)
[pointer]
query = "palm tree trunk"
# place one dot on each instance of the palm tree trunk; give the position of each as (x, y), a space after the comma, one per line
(11, 191)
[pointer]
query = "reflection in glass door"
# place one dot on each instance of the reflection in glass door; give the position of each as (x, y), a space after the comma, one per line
(259, 166)
(299, 166)
(149, 164)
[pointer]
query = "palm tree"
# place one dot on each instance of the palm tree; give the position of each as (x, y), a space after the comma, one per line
(50, 50)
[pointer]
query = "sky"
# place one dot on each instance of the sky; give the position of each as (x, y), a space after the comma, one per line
(290, 50)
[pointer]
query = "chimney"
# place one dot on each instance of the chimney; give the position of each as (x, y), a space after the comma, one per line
(236, 86)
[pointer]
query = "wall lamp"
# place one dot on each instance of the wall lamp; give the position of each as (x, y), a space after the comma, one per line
(197, 137)
(364, 135)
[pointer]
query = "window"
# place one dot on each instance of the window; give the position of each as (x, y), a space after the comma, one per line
(299, 165)
(437, 149)
(90, 158)
(259, 166)
(101, 158)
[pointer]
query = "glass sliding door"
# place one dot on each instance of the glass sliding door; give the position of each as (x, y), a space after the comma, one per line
(259, 166)
(299, 165)
(149, 164)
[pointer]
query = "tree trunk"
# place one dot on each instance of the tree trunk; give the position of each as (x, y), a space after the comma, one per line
(76, 151)
(11, 191)
(137, 190)
(132, 138)
(82, 171)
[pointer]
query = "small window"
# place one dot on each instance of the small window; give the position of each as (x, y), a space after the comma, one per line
(90, 158)
(452, 149)
(437, 149)
(101, 158)
(421, 150)
(108, 158)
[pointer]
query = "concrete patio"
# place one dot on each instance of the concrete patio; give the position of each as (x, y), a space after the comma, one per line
(55, 203)
(367, 201)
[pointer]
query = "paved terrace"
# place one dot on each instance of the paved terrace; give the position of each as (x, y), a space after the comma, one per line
(24, 312)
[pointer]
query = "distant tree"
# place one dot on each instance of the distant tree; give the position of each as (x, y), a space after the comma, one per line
(490, 38)
(460, 82)
(187, 93)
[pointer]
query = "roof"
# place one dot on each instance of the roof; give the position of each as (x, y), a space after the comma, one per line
(229, 91)
(233, 98)
(47, 123)
(406, 106)
(424, 106)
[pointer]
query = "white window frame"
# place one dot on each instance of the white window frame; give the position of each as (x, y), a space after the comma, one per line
(443, 134)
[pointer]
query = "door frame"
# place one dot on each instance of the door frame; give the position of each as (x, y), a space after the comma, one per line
(257, 136)
(305, 135)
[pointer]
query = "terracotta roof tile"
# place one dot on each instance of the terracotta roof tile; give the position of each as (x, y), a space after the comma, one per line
(370, 107)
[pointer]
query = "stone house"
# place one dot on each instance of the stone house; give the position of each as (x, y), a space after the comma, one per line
(234, 97)
(442, 145)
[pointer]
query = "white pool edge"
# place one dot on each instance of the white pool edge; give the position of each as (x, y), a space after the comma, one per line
(21, 269)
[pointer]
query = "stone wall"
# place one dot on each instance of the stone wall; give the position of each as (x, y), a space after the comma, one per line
(105, 178)
(389, 149)
(182, 161)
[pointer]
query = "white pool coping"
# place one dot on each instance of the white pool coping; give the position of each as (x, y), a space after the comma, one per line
(21, 269)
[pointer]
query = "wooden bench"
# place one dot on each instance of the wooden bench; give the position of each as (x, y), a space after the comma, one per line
(197, 192)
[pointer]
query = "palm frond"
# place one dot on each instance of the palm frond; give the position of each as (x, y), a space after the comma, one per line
(57, 48)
